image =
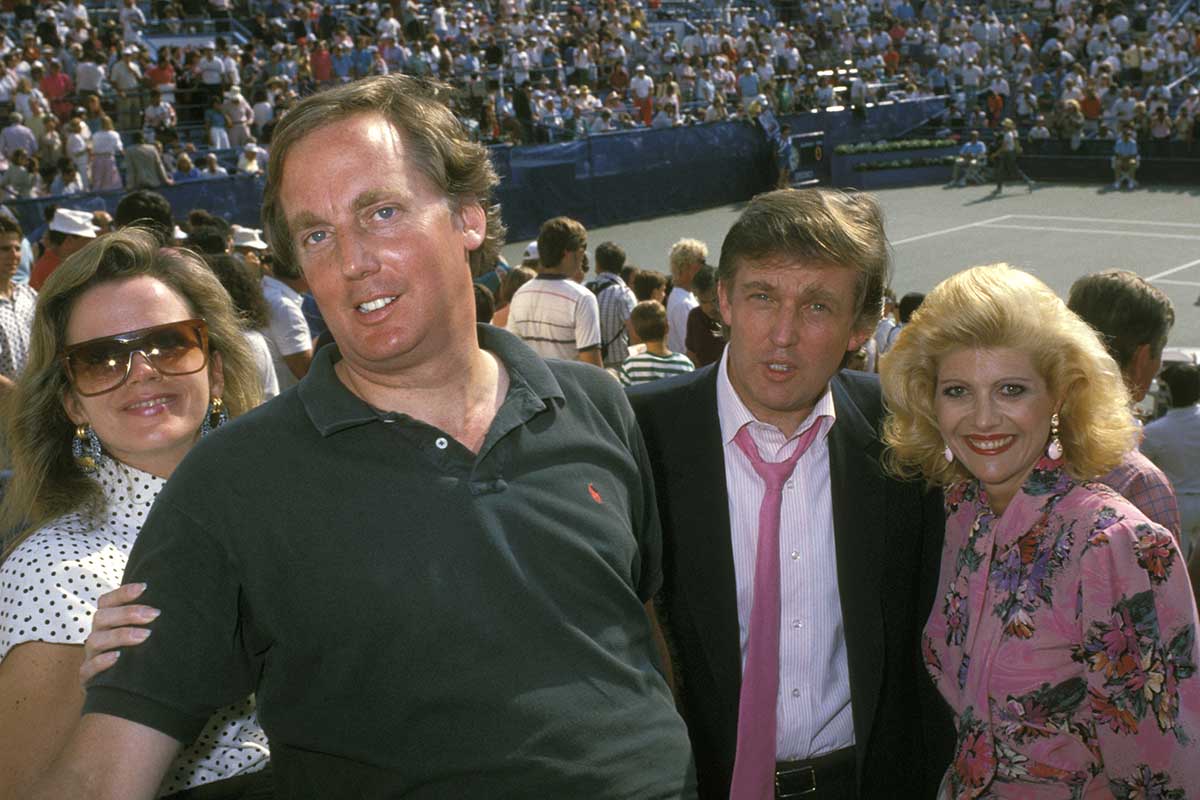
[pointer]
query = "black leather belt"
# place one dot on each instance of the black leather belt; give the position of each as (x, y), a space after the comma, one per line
(827, 777)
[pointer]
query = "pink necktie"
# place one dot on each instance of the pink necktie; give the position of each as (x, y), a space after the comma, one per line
(754, 766)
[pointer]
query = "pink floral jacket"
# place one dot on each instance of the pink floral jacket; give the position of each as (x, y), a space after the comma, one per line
(1064, 638)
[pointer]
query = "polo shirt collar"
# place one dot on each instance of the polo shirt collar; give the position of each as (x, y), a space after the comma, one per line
(334, 408)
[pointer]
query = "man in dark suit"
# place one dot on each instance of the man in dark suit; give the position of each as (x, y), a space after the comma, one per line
(855, 716)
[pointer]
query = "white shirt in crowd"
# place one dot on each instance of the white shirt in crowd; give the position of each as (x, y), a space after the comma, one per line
(288, 332)
(265, 363)
(1172, 442)
(555, 316)
(679, 304)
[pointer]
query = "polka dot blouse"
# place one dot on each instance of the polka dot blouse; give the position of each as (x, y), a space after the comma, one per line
(49, 588)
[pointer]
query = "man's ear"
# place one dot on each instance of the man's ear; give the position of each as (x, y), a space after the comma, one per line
(858, 338)
(474, 224)
(1141, 370)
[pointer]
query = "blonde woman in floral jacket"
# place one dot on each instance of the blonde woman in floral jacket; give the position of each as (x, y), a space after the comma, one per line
(1063, 635)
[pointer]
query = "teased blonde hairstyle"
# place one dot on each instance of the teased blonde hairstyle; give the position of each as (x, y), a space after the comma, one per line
(992, 307)
(687, 251)
(46, 481)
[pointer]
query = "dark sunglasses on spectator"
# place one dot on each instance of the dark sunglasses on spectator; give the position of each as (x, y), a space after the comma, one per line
(101, 365)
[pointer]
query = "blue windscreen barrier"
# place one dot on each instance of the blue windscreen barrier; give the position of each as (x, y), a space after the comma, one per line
(237, 199)
(605, 179)
(621, 177)
(886, 120)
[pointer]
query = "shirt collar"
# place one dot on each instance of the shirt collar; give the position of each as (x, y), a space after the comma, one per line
(609, 277)
(334, 408)
(733, 414)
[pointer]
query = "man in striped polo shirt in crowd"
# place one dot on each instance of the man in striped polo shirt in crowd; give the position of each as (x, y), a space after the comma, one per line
(554, 314)
(649, 319)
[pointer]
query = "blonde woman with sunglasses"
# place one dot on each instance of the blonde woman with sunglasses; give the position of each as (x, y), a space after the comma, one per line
(136, 353)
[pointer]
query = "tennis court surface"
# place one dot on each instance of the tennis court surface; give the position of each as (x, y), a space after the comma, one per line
(1058, 232)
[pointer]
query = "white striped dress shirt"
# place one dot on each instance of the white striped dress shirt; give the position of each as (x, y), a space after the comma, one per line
(813, 708)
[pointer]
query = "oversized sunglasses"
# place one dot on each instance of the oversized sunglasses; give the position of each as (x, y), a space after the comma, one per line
(101, 365)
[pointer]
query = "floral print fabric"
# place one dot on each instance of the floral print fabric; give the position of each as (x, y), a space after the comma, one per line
(1064, 638)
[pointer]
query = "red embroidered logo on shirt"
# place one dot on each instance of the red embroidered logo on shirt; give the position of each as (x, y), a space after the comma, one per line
(595, 495)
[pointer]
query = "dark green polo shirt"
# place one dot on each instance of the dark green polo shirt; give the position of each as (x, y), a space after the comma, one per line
(415, 619)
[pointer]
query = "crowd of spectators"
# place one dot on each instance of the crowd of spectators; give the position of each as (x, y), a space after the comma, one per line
(77, 82)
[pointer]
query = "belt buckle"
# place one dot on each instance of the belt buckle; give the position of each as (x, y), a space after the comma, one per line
(796, 772)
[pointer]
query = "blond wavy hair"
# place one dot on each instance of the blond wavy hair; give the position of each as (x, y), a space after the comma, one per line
(47, 483)
(685, 252)
(998, 306)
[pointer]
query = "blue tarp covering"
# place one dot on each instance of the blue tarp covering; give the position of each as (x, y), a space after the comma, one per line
(237, 199)
(604, 180)
(601, 180)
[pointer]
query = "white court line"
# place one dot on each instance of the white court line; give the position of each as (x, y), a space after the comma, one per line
(1091, 230)
(1101, 219)
(1173, 270)
(951, 230)
(1180, 283)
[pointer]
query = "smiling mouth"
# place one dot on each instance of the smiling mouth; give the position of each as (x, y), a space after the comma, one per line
(149, 403)
(991, 445)
(375, 305)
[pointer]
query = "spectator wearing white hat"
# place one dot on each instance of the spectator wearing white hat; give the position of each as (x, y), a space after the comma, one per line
(212, 71)
(530, 257)
(126, 79)
(70, 230)
(240, 115)
(641, 88)
(249, 246)
(248, 163)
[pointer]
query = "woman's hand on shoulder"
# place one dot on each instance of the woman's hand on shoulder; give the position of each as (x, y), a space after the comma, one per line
(116, 624)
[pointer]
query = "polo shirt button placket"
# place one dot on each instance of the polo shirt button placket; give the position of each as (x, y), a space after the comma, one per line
(441, 443)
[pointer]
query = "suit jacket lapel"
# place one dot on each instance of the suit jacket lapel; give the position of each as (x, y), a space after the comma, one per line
(858, 492)
(707, 559)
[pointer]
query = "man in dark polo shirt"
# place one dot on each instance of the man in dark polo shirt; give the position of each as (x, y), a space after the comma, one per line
(433, 560)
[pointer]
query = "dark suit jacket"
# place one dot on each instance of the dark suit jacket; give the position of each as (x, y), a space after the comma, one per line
(888, 541)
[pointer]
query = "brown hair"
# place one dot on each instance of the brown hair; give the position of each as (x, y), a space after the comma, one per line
(645, 283)
(557, 237)
(822, 226)
(649, 319)
(47, 483)
(438, 145)
(1125, 310)
(514, 279)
